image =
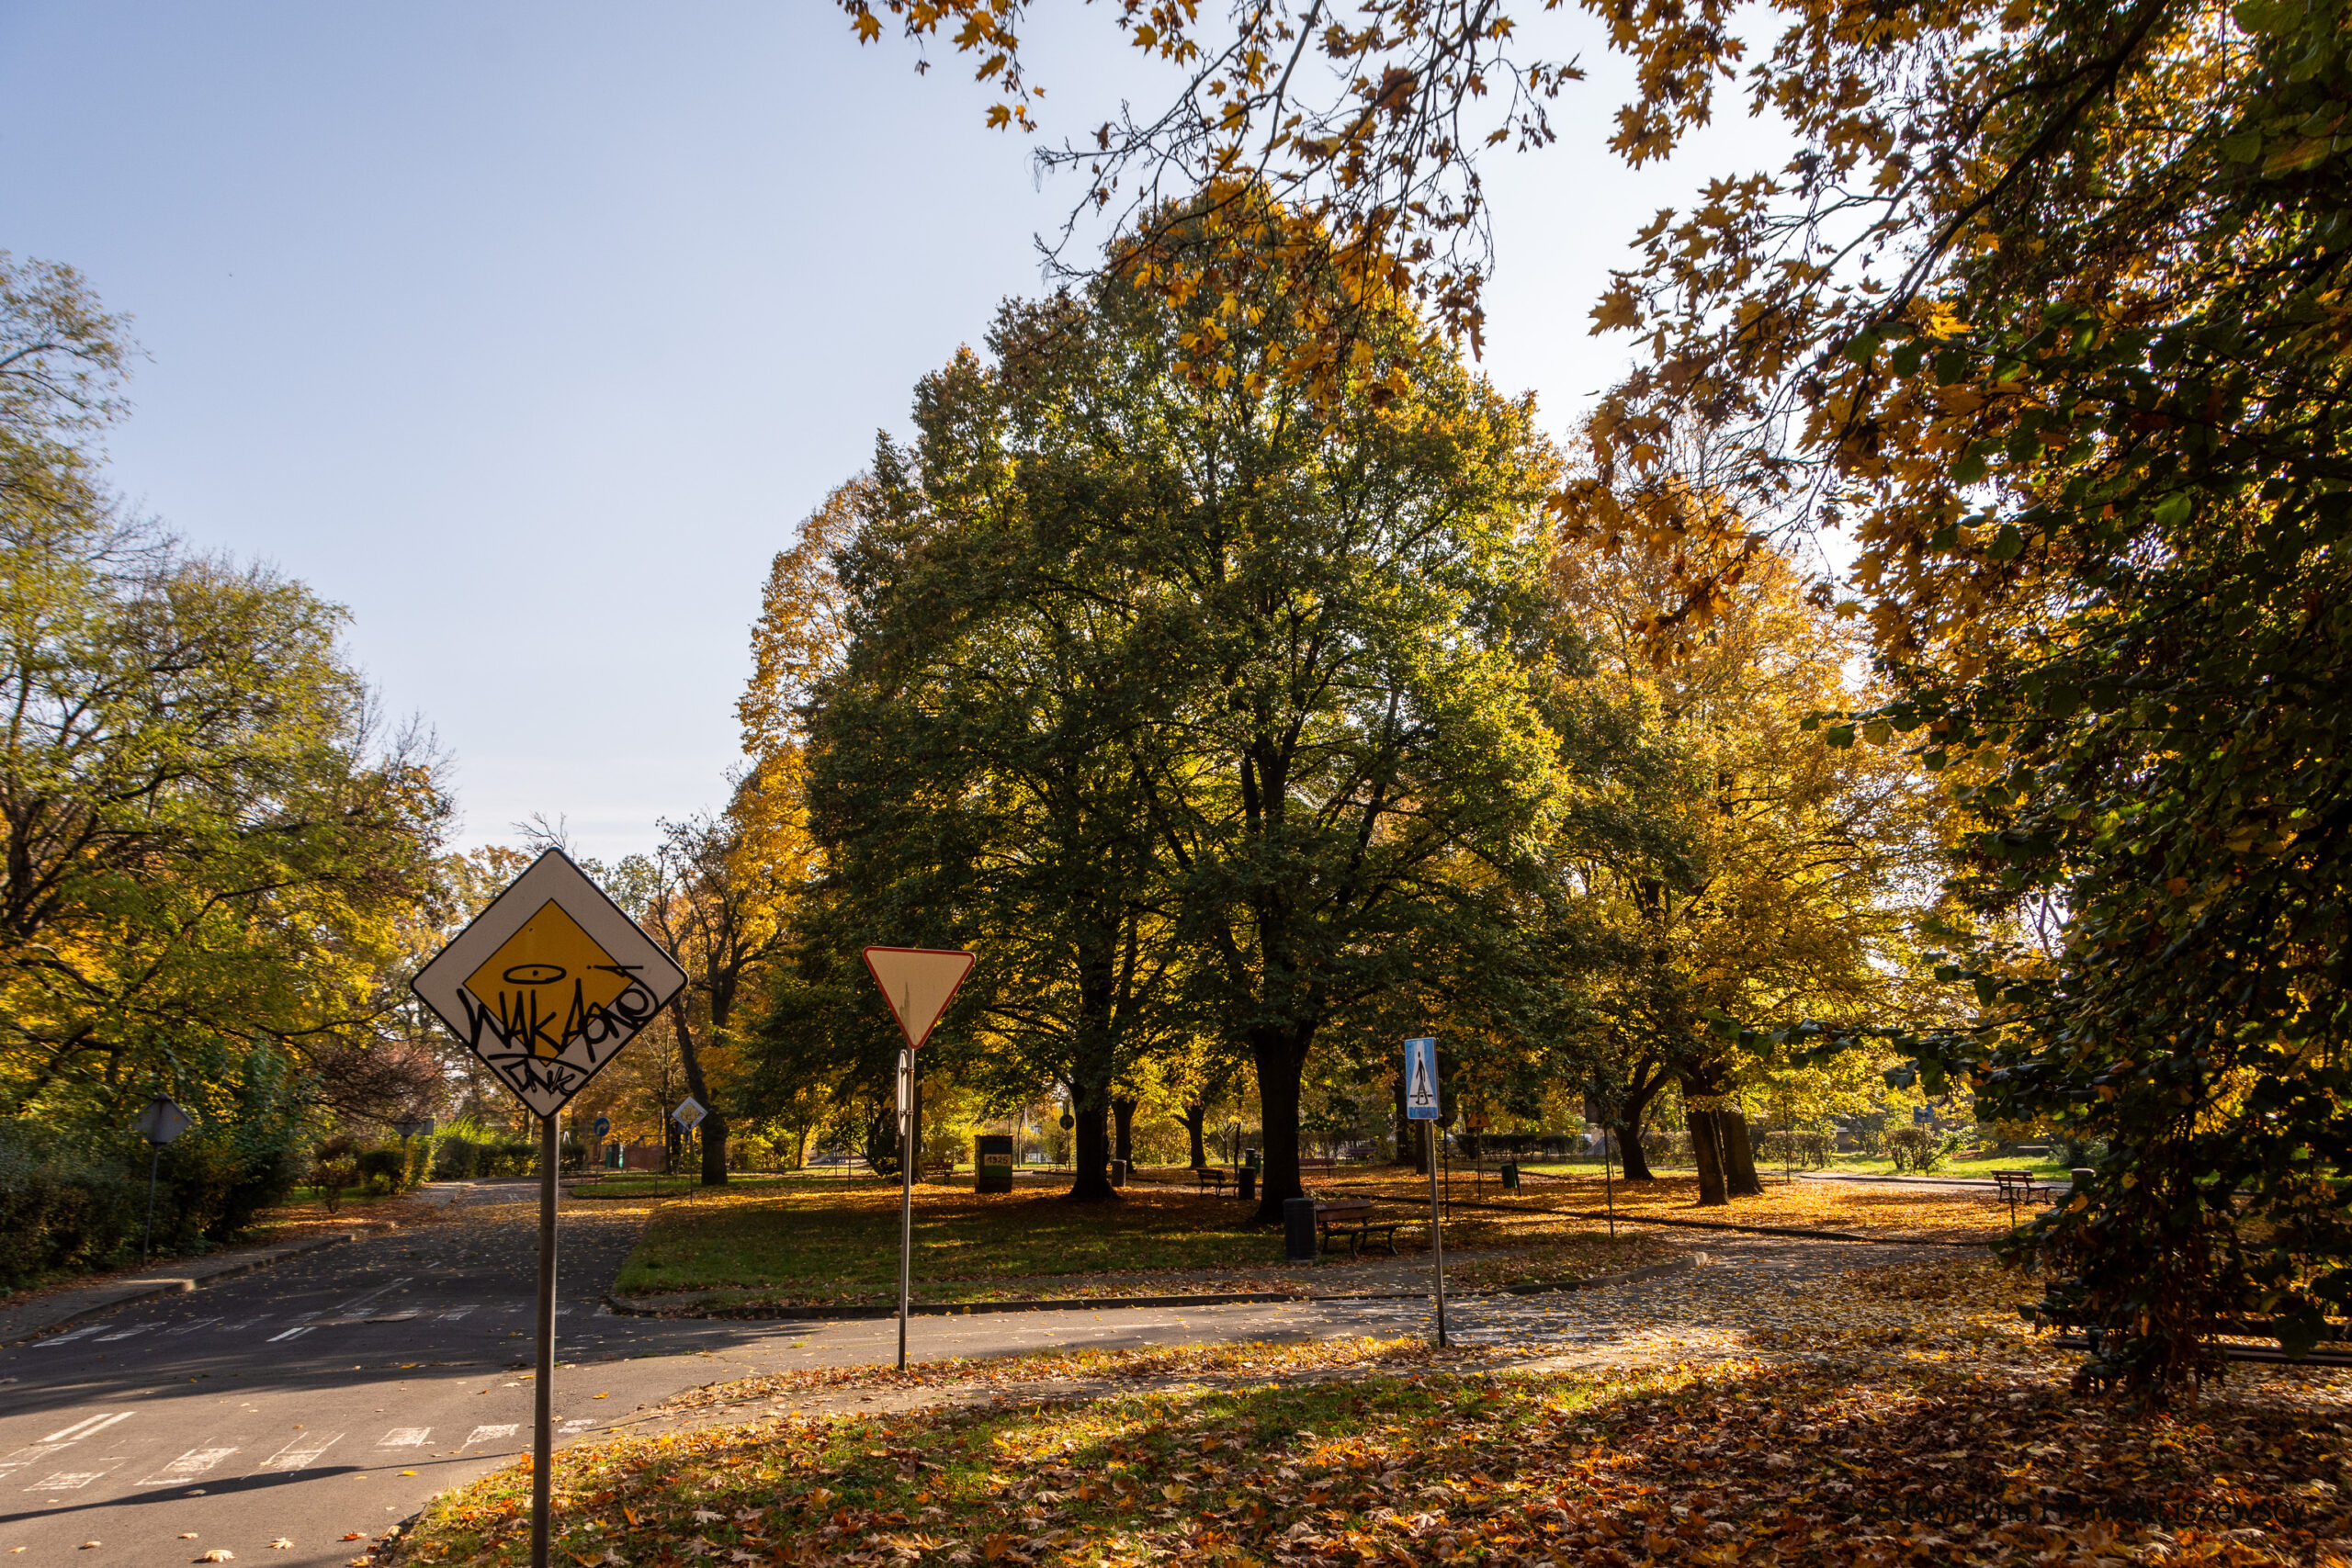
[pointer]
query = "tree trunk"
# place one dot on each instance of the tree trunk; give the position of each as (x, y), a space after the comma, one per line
(1123, 1130)
(1740, 1179)
(1636, 1165)
(1091, 1153)
(1193, 1117)
(714, 1126)
(1279, 1054)
(1712, 1193)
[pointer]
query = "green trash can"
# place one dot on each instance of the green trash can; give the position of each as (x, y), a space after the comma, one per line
(1511, 1175)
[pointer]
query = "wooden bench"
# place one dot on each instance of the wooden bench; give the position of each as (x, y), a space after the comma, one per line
(1352, 1217)
(1206, 1176)
(2020, 1187)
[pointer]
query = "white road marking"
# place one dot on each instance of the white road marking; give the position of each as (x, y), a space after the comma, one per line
(68, 1339)
(300, 1454)
(485, 1434)
(127, 1333)
(406, 1438)
(355, 1303)
(456, 1312)
(192, 1327)
(243, 1323)
(295, 1333)
(27, 1455)
(87, 1427)
(67, 1480)
(187, 1467)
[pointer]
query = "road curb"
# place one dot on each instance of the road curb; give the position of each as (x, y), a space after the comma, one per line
(110, 1297)
(1795, 1230)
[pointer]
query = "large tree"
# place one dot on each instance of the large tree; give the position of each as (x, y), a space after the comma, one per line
(204, 837)
(1345, 617)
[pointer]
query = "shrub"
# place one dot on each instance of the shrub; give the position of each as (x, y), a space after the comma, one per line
(419, 1155)
(382, 1170)
(1793, 1148)
(59, 1207)
(454, 1157)
(1919, 1148)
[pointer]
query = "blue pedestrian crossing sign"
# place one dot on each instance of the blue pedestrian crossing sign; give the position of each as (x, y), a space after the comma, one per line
(1420, 1079)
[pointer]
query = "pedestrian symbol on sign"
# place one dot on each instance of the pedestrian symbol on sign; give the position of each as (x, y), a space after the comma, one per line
(1420, 1079)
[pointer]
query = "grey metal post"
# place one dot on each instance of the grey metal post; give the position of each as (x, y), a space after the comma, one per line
(543, 1409)
(1437, 1237)
(906, 1199)
(147, 1241)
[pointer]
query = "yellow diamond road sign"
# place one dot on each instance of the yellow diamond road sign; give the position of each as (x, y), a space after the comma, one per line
(549, 982)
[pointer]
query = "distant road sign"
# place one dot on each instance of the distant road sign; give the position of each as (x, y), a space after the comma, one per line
(1420, 1079)
(604, 1125)
(419, 1128)
(549, 982)
(689, 1113)
(160, 1121)
(917, 983)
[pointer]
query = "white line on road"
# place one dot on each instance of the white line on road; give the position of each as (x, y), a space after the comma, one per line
(127, 1333)
(406, 1438)
(357, 1302)
(68, 1481)
(187, 1467)
(243, 1323)
(87, 1427)
(192, 1327)
(486, 1434)
(27, 1455)
(301, 1452)
(295, 1333)
(456, 1312)
(68, 1339)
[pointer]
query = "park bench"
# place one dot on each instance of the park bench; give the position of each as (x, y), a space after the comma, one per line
(1205, 1177)
(2020, 1187)
(1352, 1217)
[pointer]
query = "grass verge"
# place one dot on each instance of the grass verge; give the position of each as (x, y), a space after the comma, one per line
(830, 1246)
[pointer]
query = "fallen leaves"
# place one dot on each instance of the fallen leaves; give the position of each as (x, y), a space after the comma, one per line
(1894, 1414)
(218, 1555)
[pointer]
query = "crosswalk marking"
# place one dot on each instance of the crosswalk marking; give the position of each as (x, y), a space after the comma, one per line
(456, 1312)
(87, 1427)
(243, 1323)
(187, 1467)
(68, 1339)
(138, 1328)
(193, 1325)
(487, 1434)
(27, 1455)
(406, 1438)
(294, 1333)
(301, 1452)
(68, 1481)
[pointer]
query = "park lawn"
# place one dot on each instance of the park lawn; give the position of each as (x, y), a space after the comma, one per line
(836, 1246)
(1904, 1419)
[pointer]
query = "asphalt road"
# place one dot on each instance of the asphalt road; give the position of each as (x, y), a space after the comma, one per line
(324, 1401)
(329, 1397)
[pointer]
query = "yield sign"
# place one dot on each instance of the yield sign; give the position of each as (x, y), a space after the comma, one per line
(549, 982)
(917, 983)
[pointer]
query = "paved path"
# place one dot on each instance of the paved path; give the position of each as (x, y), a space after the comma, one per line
(330, 1396)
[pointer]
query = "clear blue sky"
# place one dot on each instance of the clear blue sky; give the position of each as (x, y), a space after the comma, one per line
(530, 332)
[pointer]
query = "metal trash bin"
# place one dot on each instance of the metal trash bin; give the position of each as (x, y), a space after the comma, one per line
(1298, 1230)
(1246, 1179)
(992, 1162)
(1511, 1175)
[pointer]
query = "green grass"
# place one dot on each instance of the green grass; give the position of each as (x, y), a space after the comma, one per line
(825, 1244)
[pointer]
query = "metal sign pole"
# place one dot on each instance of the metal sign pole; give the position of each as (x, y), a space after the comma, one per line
(1437, 1236)
(906, 1191)
(155, 1162)
(543, 1409)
